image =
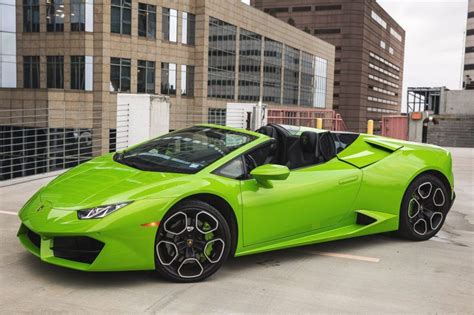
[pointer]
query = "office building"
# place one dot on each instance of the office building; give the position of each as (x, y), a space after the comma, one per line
(369, 52)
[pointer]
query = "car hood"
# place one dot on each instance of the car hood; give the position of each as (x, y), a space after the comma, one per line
(103, 181)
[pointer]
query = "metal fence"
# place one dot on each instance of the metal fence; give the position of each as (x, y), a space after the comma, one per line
(307, 117)
(41, 140)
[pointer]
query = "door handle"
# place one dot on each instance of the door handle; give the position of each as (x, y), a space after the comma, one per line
(348, 180)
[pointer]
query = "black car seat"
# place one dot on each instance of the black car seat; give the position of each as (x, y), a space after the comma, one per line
(327, 146)
(304, 151)
(272, 132)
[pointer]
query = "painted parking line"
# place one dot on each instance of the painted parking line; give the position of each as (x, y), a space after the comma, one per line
(343, 256)
(9, 213)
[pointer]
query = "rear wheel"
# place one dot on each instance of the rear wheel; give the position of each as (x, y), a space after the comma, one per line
(192, 242)
(424, 208)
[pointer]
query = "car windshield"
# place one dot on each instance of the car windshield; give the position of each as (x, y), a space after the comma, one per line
(184, 151)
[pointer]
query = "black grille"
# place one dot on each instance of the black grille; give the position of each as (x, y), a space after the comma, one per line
(77, 248)
(34, 238)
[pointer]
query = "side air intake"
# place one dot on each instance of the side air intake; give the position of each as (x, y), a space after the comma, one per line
(363, 219)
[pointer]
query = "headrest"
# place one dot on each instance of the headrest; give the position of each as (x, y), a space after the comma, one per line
(327, 146)
(309, 141)
(268, 131)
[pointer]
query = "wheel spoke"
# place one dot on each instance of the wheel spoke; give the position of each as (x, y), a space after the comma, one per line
(187, 268)
(216, 250)
(206, 223)
(434, 218)
(413, 208)
(165, 247)
(176, 224)
(438, 198)
(420, 227)
(424, 190)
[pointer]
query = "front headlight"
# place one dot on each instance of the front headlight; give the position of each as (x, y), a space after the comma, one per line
(100, 212)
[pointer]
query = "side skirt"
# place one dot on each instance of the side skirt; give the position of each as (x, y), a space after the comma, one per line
(381, 222)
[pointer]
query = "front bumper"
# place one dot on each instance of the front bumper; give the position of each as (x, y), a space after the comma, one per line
(117, 242)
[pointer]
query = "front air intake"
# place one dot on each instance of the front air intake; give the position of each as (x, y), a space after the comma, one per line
(77, 248)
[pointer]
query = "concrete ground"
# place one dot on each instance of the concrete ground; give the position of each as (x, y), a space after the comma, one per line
(376, 274)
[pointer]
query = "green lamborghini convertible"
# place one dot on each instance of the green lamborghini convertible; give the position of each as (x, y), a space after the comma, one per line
(182, 203)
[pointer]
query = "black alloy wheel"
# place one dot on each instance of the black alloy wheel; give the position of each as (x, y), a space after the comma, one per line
(192, 242)
(424, 208)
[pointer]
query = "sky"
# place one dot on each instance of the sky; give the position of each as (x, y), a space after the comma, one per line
(434, 43)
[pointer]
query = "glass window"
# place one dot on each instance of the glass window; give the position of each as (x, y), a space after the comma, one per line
(320, 82)
(390, 50)
(55, 15)
(146, 20)
(78, 15)
(120, 74)
(187, 80)
(146, 77)
(55, 72)
(78, 72)
(222, 59)
(272, 68)
(168, 78)
(292, 75)
(188, 29)
(89, 73)
(216, 116)
(234, 169)
(307, 79)
(121, 17)
(382, 44)
(31, 72)
(186, 151)
(395, 34)
(170, 24)
(378, 19)
(250, 56)
(31, 16)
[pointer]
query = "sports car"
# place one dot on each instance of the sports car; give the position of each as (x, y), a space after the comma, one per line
(182, 203)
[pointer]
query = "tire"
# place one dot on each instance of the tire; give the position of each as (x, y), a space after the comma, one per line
(424, 208)
(195, 250)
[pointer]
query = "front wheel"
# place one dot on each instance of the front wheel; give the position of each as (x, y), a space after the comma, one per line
(424, 208)
(192, 242)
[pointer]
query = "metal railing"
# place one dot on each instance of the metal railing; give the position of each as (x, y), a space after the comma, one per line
(43, 139)
(307, 117)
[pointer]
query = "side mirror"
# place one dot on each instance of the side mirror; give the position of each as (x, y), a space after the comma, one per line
(265, 173)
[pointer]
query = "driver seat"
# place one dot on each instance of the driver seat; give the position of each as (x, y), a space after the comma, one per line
(271, 132)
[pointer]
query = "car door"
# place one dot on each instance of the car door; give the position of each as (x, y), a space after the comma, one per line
(311, 198)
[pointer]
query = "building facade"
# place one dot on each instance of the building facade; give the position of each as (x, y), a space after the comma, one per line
(369, 52)
(468, 75)
(64, 62)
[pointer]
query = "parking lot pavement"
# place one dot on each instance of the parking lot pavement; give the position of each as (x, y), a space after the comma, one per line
(372, 274)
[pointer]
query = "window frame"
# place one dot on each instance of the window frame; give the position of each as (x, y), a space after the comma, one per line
(55, 23)
(165, 73)
(55, 67)
(124, 7)
(78, 70)
(78, 7)
(121, 65)
(148, 13)
(33, 64)
(146, 66)
(167, 15)
(31, 12)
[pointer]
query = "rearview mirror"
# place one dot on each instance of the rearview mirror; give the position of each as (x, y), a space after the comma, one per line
(265, 173)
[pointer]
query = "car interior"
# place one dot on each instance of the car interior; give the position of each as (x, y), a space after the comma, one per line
(310, 148)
